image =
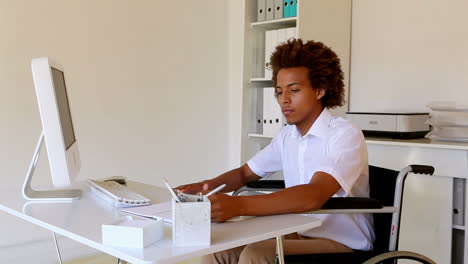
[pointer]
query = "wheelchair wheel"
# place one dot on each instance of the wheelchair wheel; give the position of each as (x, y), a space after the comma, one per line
(385, 257)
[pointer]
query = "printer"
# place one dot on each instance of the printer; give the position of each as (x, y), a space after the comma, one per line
(394, 125)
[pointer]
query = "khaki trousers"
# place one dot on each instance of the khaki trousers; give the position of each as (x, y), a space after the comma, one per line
(264, 252)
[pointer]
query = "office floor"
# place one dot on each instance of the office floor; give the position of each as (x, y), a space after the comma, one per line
(107, 259)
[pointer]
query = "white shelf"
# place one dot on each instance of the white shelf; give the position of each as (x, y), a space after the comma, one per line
(420, 142)
(275, 24)
(396, 142)
(258, 136)
(260, 80)
(459, 227)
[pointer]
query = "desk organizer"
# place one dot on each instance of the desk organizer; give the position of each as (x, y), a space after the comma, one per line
(191, 221)
(133, 232)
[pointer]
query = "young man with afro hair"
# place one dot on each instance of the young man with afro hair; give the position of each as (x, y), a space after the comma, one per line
(319, 154)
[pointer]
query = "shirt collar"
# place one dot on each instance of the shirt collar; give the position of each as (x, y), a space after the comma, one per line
(319, 127)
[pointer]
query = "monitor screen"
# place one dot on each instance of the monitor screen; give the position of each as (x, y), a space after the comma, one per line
(63, 107)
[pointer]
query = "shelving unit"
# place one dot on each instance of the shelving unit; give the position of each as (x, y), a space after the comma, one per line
(320, 20)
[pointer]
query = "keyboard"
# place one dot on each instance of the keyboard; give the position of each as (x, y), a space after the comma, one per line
(118, 194)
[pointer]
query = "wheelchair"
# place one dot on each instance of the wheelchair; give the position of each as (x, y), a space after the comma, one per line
(385, 203)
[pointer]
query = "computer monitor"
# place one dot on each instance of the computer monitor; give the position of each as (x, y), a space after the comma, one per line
(57, 131)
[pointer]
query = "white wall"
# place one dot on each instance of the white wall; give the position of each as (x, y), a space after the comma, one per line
(236, 53)
(148, 84)
(406, 54)
(147, 90)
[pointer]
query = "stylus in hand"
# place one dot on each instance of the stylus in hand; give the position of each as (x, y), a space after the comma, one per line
(217, 189)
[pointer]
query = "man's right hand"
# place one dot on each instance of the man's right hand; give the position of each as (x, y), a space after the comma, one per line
(195, 188)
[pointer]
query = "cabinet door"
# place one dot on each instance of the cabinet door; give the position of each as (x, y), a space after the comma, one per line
(426, 219)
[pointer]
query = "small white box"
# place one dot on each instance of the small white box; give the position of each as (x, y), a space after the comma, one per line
(191, 222)
(132, 231)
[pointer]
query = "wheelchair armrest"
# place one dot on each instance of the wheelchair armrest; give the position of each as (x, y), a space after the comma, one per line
(384, 210)
(352, 203)
(267, 184)
(261, 185)
(422, 169)
(332, 203)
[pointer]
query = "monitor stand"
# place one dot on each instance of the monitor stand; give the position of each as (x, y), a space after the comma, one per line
(48, 195)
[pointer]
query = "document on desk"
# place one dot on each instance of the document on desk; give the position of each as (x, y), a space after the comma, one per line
(154, 211)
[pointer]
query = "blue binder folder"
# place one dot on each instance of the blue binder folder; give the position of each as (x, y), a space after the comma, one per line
(286, 8)
(293, 8)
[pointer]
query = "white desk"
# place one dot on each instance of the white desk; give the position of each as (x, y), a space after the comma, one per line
(428, 225)
(81, 221)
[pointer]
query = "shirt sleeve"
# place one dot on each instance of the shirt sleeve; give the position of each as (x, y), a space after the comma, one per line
(268, 160)
(346, 158)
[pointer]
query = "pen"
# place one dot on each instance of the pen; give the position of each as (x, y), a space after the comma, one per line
(174, 195)
(217, 189)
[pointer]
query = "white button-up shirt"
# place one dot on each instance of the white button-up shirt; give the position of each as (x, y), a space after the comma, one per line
(334, 146)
